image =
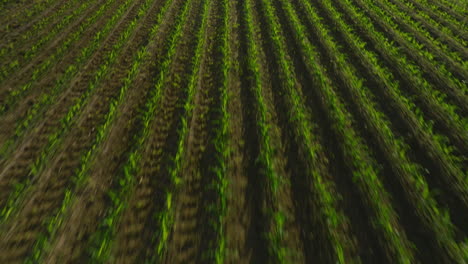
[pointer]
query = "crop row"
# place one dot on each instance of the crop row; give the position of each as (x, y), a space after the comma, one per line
(452, 38)
(102, 240)
(431, 100)
(453, 60)
(47, 98)
(13, 97)
(65, 122)
(365, 174)
(395, 150)
(452, 15)
(291, 105)
(53, 224)
(19, 56)
(15, 15)
(177, 180)
(111, 53)
(442, 78)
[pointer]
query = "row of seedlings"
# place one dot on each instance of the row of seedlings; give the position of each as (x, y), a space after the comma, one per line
(452, 17)
(127, 124)
(275, 205)
(26, 48)
(431, 100)
(28, 43)
(343, 246)
(101, 242)
(51, 136)
(14, 16)
(203, 160)
(32, 75)
(172, 166)
(448, 39)
(446, 79)
(47, 97)
(52, 224)
(365, 174)
(395, 150)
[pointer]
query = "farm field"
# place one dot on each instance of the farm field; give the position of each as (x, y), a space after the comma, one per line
(234, 131)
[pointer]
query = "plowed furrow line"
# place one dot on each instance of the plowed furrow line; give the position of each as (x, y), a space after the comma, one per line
(59, 119)
(71, 150)
(132, 228)
(428, 7)
(31, 64)
(240, 243)
(45, 94)
(435, 29)
(439, 69)
(29, 45)
(206, 152)
(13, 21)
(432, 102)
(166, 120)
(155, 162)
(184, 242)
(10, 45)
(191, 218)
(452, 60)
(74, 235)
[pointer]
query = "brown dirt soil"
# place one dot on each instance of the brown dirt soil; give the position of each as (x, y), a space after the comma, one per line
(140, 221)
(20, 45)
(239, 206)
(82, 78)
(52, 182)
(15, 19)
(30, 149)
(221, 206)
(25, 72)
(87, 210)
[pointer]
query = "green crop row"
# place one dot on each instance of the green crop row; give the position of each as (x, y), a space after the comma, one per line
(166, 215)
(55, 138)
(214, 66)
(221, 140)
(436, 25)
(44, 66)
(36, 27)
(449, 10)
(434, 100)
(458, 5)
(421, 55)
(47, 98)
(272, 183)
(27, 14)
(299, 117)
(53, 224)
(452, 59)
(101, 241)
(232, 67)
(26, 37)
(356, 155)
(396, 151)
